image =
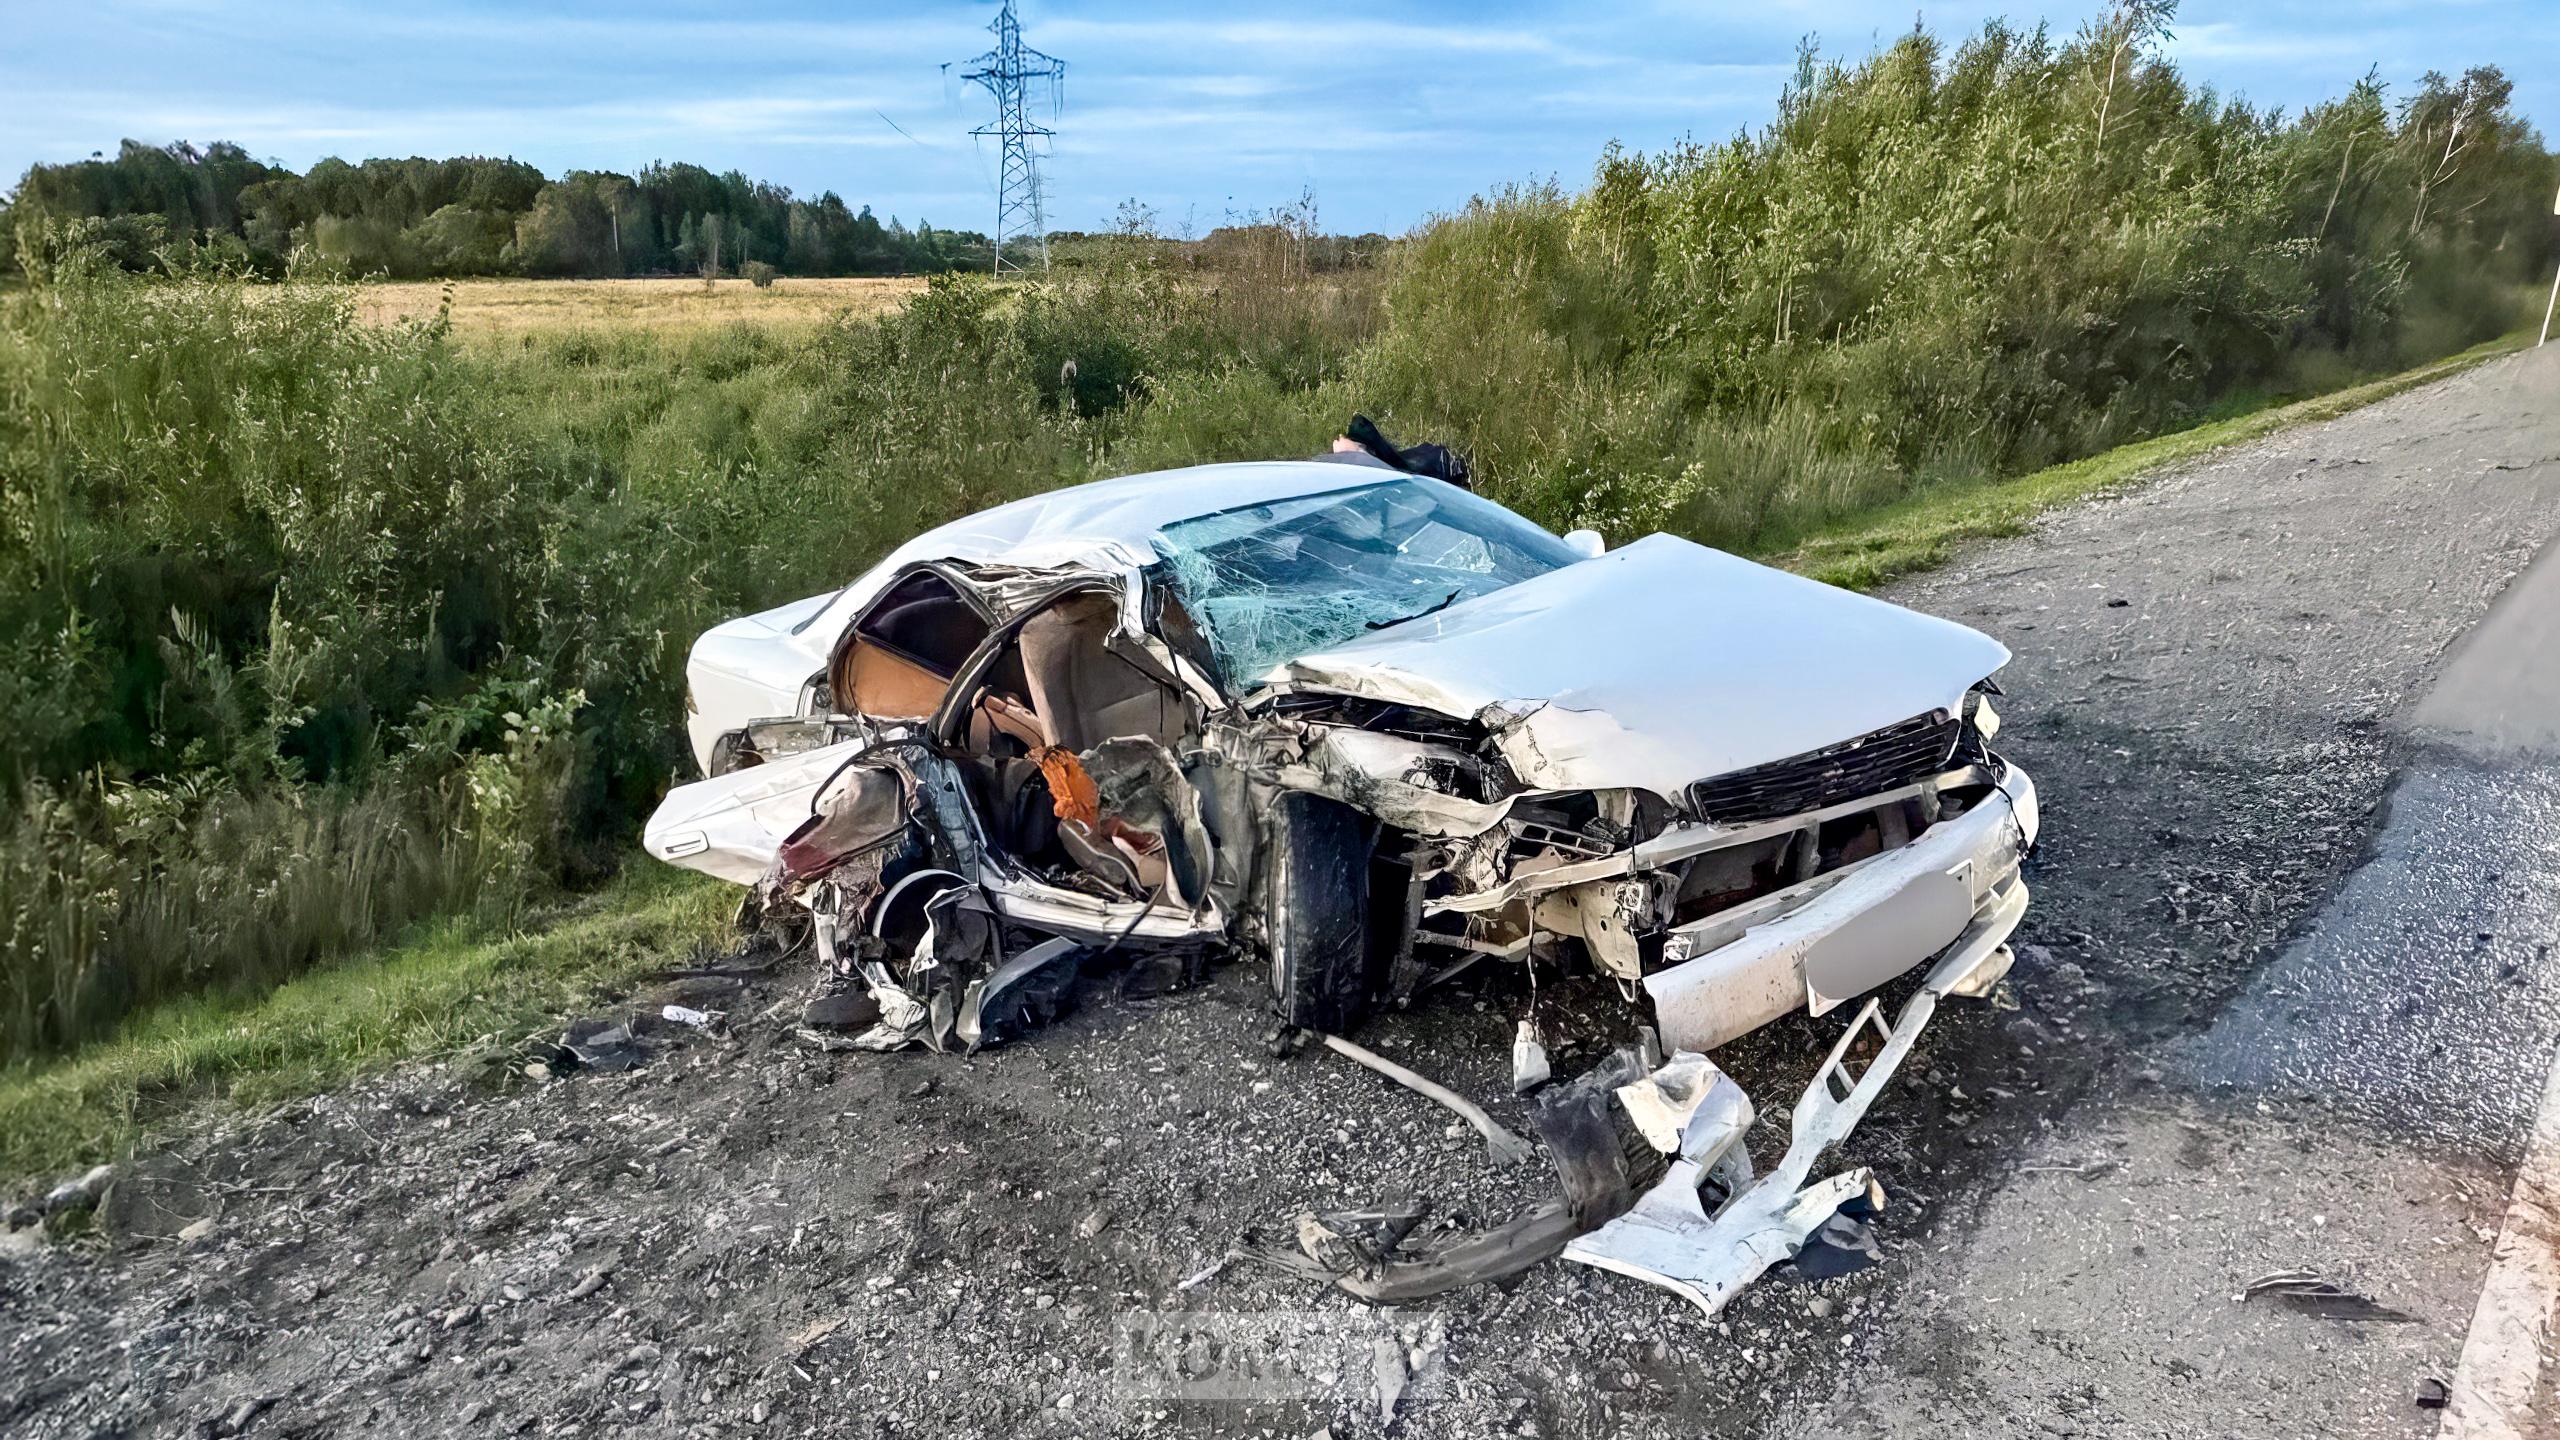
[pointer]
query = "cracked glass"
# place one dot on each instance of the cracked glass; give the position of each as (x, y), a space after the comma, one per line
(1268, 583)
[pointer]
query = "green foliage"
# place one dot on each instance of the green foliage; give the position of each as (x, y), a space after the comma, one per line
(442, 989)
(1947, 264)
(475, 215)
(258, 557)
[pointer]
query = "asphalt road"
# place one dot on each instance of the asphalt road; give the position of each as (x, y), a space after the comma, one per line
(2286, 999)
(2348, 1089)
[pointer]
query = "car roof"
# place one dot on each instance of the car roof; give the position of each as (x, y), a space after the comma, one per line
(1104, 524)
(1116, 520)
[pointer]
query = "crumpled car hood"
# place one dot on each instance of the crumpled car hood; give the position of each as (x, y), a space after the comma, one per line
(1663, 663)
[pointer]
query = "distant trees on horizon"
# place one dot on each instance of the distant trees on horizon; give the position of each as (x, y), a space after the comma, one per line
(419, 218)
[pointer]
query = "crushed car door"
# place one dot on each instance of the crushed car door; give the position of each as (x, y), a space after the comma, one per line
(1066, 744)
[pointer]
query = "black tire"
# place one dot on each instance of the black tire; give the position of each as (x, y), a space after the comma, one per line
(1315, 892)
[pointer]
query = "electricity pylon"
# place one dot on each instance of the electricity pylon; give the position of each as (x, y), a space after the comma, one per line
(1018, 77)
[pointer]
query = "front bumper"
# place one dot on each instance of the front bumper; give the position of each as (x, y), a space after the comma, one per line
(1954, 891)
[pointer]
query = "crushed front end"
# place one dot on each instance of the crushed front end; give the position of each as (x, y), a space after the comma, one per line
(1797, 884)
(1800, 884)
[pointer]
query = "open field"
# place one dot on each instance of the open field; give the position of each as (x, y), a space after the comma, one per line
(505, 309)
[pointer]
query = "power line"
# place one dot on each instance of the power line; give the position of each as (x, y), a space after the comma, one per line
(901, 129)
(1018, 76)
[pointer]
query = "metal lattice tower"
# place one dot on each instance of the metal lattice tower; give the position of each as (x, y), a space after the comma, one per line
(1018, 77)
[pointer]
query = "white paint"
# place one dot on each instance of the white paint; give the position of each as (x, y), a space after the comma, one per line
(1860, 925)
(1662, 663)
(2500, 1377)
(731, 826)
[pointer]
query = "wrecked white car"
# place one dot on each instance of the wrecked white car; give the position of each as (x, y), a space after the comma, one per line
(1371, 729)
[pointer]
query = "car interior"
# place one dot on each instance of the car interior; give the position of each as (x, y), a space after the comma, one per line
(898, 660)
(1053, 694)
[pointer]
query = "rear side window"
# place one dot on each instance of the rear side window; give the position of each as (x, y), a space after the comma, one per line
(898, 659)
(924, 620)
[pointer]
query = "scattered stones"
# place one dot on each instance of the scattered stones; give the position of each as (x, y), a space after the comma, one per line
(589, 1283)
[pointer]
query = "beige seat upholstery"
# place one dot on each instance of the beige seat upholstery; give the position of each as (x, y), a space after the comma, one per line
(1084, 693)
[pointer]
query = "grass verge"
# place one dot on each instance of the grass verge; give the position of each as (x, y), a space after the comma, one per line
(439, 989)
(1921, 532)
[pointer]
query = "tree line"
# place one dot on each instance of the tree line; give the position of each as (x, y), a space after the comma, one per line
(418, 218)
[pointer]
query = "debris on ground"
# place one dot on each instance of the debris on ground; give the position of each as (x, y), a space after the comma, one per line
(607, 1048)
(1505, 1147)
(1529, 1067)
(1387, 1357)
(76, 1195)
(2308, 1292)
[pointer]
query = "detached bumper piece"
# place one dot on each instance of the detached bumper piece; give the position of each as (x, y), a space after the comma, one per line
(1708, 1228)
(1860, 928)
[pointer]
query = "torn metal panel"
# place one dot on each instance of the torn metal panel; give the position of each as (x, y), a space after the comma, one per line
(1673, 1239)
(731, 827)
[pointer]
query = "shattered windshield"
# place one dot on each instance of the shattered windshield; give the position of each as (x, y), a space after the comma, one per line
(1275, 581)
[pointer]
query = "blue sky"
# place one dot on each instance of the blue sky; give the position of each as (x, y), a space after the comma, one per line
(1389, 110)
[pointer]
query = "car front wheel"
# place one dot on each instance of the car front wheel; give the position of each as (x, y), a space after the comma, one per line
(1315, 909)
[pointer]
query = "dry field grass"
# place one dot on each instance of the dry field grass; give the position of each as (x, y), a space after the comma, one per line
(507, 309)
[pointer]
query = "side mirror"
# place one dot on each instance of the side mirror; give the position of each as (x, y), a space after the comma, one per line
(1586, 543)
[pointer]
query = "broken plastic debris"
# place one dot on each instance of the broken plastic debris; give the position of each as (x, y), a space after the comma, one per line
(697, 1019)
(1026, 992)
(605, 1049)
(1529, 1068)
(1843, 1244)
(1663, 1103)
(1387, 1359)
(1357, 1242)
